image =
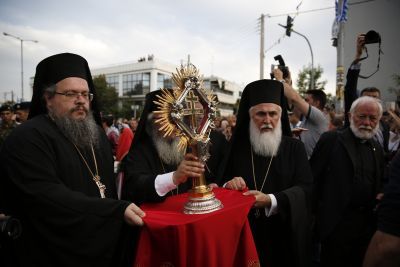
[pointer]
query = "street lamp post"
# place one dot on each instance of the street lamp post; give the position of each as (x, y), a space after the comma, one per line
(289, 30)
(22, 59)
(312, 59)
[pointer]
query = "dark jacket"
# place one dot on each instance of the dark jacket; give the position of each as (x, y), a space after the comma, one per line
(334, 164)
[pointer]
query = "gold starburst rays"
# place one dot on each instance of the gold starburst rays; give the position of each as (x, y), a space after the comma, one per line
(172, 109)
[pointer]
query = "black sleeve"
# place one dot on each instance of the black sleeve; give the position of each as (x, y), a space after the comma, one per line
(302, 178)
(217, 151)
(139, 177)
(319, 161)
(389, 209)
(350, 92)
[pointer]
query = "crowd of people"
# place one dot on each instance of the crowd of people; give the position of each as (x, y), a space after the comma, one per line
(326, 185)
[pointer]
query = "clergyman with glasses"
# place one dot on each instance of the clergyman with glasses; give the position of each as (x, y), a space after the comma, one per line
(57, 174)
(348, 170)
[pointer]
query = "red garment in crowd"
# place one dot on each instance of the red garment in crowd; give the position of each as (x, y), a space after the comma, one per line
(124, 143)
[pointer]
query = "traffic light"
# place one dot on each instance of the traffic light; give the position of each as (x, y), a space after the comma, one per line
(289, 25)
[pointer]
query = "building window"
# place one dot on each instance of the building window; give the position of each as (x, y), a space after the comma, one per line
(164, 81)
(113, 81)
(135, 84)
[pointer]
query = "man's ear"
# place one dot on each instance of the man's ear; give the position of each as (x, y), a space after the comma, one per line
(46, 98)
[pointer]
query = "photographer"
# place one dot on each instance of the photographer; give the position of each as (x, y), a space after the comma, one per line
(314, 122)
(350, 90)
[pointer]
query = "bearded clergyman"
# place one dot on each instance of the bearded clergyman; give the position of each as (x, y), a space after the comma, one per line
(265, 162)
(348, 169)
(155, 167)
(57, 174)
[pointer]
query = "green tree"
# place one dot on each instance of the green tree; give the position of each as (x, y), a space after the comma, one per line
(395, 90)
(107, 96)
(304, 79)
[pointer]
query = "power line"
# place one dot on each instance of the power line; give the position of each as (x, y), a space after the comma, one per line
(315, 10)
(303, 12)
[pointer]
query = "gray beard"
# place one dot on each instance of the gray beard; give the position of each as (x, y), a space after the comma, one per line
(167, 149)
(83, 133)
(365, 135)
(265, 144)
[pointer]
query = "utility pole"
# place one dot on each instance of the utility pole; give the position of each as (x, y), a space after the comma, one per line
(340, 61)
(262, 55)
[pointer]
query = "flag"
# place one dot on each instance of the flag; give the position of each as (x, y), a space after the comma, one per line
(341, 11)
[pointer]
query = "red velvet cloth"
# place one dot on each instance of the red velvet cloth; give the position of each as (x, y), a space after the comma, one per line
(221, 238)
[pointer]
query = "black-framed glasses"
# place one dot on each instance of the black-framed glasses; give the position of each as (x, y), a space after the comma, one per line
(72, 95)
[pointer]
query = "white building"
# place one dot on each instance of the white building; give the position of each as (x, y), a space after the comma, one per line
(134, 80)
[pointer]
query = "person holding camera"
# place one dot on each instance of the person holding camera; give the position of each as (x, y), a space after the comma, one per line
(350, 89)
(311, 108)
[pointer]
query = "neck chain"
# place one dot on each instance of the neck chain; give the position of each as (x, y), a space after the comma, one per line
(96, 178)
(257, 211)
(177, 188)
(254, 176)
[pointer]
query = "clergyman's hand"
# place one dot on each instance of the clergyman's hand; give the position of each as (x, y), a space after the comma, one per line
(262, 200)
(189, 167)
(133, 215)
(237, 183)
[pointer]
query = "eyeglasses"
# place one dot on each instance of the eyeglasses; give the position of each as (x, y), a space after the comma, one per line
(72, 95)
(365, 117)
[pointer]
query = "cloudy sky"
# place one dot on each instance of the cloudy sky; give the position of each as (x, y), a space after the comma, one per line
(221, 36)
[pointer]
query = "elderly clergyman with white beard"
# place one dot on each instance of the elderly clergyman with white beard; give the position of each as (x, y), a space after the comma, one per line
(155, 168)
(265, 162)
(348, 168)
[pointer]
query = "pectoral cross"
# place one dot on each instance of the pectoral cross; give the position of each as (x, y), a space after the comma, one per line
(101, 186)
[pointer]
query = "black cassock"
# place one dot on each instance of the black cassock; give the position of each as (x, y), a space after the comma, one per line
(143, 164)
(46, 185)
(282, 239)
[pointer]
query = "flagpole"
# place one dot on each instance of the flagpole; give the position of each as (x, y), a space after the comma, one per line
(341, 17)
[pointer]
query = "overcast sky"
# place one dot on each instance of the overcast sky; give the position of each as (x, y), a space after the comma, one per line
(221, 36)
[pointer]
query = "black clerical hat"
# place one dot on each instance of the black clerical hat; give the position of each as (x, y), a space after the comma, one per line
(5, 107)
(257, 92)
(55, 68)
(22, 106)
(263, 91)
(149, 106)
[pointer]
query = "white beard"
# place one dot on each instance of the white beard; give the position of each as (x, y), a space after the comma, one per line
(167, 149)
(265, 144)
(362, 131)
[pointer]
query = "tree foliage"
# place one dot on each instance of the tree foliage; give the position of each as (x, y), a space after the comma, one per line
(395, 90)
(107, 96)
(304, 79)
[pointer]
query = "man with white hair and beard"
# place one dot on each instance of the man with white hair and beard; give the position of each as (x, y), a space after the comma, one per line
(57, 174)
(265, 162)
(348, 168)
(155, 168)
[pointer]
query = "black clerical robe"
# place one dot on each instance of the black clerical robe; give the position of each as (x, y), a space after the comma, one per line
(47, 186)
(282, 239)
(143, 164)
